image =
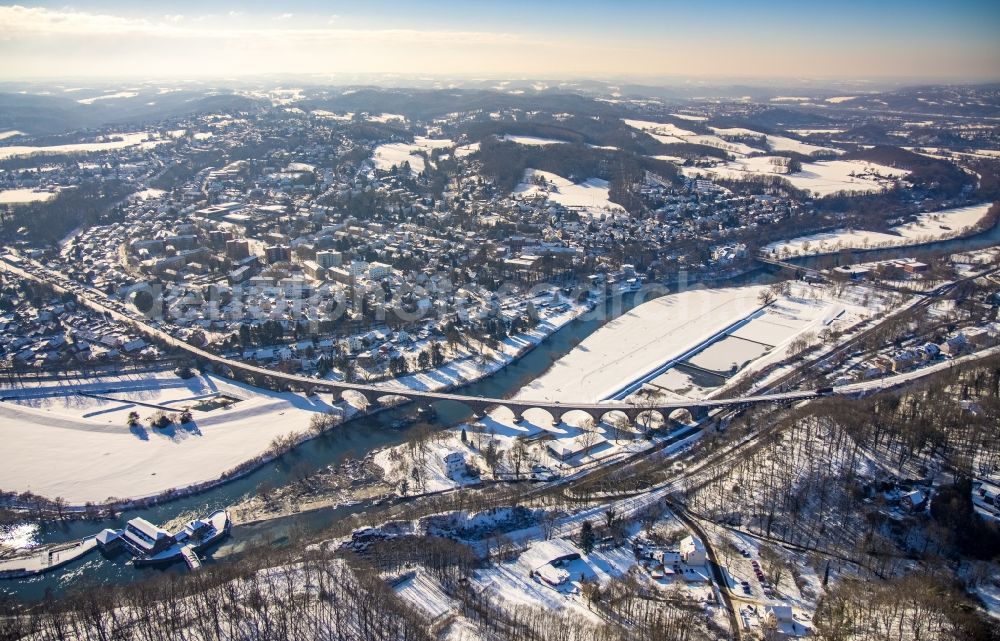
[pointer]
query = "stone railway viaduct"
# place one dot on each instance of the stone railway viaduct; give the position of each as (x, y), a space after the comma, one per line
(385, 395)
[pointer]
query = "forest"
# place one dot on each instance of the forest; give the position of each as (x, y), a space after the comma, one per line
(46, 222)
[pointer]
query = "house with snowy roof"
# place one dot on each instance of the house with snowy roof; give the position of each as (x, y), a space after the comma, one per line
(693, 551)
(144, 538)
(914, 501)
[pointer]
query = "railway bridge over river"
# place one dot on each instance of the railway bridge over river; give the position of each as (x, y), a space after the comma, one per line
(380, 395)
(387, 395)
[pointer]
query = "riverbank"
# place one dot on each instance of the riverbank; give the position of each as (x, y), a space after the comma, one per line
(662, 350)
(50, 421)
(932, 227)
(49, 558)
(639, 341)
(353, 482)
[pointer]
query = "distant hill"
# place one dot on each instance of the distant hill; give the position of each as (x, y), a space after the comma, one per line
(426, 104)
(962, 100)
(52, 114)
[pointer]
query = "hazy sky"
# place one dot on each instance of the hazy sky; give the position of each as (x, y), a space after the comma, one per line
(957, 40)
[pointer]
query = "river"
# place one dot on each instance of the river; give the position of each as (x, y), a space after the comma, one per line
(355, 439)
(988, 238)
(361, 436)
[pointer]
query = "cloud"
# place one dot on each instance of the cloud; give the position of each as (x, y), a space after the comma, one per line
(41, 21)
(29, 23)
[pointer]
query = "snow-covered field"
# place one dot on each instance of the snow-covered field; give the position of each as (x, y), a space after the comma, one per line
(929, 227)
(58, 443)
(590, 195)
(799, 315)
(531, 140)
(658, 128)
(809, 132)
(385, 118)
(669, 133)
(109, 96)
(466, 150)
(822, 177)
(730, 352)
(8, 196)
(329, 115)
(396, 153)
(689, 117)
(778, 143)
(423, 594)
(640, 341)
(665, 328)
(127, 140)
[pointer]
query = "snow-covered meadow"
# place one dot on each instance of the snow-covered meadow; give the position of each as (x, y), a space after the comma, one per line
(534, 141)
(777, 143)
(927, 228)
(640, 341)
(108, 96)
(392, 154)
(59, 443)
(142, 139)
(15, 196)
(823, 177)
(671, 134)
(590, 195)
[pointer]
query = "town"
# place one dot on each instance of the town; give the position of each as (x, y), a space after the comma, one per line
(448, 356)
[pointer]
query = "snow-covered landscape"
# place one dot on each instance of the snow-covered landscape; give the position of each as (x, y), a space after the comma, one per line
(54, 423)
(639, 353)
(531, 140)
(777, 143)
(641, 341)
(823, 177)
(590, 195)
(416, 322)
(395, 154)
(120, 141)
(24, 196)
(928, 227)
(59, 419)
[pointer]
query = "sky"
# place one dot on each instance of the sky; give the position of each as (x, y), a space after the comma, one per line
(849, 39)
